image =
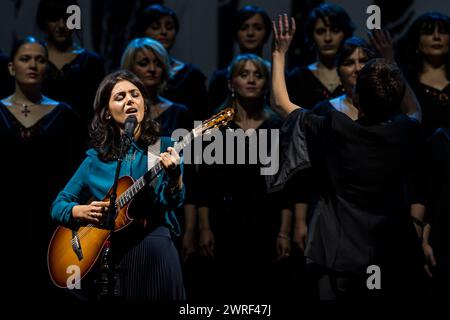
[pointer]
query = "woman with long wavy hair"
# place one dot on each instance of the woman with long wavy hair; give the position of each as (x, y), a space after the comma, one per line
(146, 254)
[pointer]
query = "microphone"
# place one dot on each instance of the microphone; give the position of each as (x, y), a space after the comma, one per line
(129, 126)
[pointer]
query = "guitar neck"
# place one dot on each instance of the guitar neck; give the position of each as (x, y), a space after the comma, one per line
(153, 172)
(215, 121)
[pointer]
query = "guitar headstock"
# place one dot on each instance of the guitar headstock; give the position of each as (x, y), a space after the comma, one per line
(216, 121)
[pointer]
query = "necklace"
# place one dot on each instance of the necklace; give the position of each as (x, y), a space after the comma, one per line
(25, 107)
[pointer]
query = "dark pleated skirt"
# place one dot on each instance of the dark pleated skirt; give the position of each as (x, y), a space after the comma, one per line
(152, 269)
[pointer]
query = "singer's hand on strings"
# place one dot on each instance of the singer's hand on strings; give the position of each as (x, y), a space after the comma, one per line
(170, 161)
(283, 33)
(91, 213)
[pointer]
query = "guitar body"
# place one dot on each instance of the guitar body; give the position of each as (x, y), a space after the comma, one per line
(69, 249)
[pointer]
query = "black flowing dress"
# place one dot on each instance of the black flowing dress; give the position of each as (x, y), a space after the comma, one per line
(363, 213)
(307, 91)
(244, 219)
(435, 106)
(36, 163)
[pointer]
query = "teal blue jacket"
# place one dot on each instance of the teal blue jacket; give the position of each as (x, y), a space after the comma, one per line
(94, 178)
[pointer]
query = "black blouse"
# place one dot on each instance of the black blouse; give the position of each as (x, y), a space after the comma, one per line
(306, 90)
(174, 117)
(187, 87)
(362, 216)
(435, 106)
(218, 89)
(76, 83)
(236, 193)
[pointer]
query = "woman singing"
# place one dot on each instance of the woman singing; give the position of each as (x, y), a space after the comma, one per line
(147, 255)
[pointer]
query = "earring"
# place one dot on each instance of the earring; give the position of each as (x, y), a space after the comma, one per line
(108, 116)
(232, 94)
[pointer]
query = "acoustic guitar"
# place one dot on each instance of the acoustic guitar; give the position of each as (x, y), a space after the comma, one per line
(72, 249)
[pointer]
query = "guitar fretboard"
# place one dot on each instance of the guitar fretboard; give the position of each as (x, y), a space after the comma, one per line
(153, 172)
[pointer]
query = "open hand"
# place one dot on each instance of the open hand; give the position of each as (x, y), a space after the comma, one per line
(282, 34)
(381, 40)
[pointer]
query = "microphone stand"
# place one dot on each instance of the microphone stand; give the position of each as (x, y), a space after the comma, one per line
(109, 221)
(109, 224)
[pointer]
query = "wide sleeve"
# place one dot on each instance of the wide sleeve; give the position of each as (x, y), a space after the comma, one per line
(73, 194)
(293, 146)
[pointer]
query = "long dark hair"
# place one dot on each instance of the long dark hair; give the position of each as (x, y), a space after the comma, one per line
(410, 44)
(104, 133)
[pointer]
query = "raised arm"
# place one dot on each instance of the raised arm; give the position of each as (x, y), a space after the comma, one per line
(382, 42)
(283, 34)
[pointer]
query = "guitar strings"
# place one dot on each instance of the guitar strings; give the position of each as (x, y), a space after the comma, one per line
(87, 228)
(221, 116)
